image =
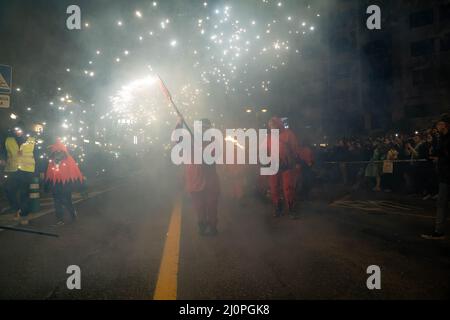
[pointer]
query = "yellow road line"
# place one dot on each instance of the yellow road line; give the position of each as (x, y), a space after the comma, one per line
(166, 285)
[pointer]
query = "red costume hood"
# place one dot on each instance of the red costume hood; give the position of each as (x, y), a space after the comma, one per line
(278, 123)
(59, 146)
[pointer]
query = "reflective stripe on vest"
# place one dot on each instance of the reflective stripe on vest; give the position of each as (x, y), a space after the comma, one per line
(20, 157)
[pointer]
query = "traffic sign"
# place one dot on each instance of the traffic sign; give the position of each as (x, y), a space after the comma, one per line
(4, 101)
(5, 79)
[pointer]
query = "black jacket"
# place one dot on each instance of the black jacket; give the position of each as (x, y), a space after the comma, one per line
(443, 154)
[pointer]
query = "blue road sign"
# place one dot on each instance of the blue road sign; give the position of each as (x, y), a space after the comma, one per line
(5, 79)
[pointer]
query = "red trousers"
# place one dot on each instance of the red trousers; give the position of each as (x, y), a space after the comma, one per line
(205, 202)
(285, 180)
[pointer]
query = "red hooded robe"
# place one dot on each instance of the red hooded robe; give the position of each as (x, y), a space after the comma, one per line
(66, 171)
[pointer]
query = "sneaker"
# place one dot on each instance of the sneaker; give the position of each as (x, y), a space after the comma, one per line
(58, 223)
(433, 236)
(17, 216)
(278, 210)
(428, 196)
(24, 221)
(74, 216)
(435, 197)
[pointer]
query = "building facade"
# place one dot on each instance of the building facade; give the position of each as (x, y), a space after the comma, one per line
(389, 79)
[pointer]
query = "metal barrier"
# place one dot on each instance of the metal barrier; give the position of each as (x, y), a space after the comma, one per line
(376, 161)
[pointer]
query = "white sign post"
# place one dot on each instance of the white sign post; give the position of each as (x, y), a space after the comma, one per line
(5, 86)
(4, 101)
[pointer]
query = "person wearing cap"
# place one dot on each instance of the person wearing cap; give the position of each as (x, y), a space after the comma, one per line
(442, 152)
(20, 166)
(61, 178)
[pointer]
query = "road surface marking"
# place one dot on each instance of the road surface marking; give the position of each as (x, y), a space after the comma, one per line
(380, 206)
(166, 285)
(39, 214)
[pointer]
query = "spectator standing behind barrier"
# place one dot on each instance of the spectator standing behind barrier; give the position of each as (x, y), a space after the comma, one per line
(442, 152)
(374, 169)
(306, 179)
(424, 171)
(20, 166)
(388, 168)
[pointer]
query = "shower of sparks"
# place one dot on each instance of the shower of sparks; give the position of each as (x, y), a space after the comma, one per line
(239, 48)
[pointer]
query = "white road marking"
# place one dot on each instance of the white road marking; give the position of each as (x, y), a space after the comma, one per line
(39, 214)
(380, 206)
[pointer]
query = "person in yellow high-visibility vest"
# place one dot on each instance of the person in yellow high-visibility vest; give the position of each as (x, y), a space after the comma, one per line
(19, 168)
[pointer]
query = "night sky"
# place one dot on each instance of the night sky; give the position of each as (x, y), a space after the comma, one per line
(220, 59)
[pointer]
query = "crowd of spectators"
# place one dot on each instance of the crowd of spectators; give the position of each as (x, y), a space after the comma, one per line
(403, 163)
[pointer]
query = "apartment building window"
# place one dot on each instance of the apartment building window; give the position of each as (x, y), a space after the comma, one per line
(422, 48)
(445, 43)
(421, 18)
(444, 12)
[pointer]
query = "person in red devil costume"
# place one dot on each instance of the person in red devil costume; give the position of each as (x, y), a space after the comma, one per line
(202, 183)
(286, 178)
(61, 178)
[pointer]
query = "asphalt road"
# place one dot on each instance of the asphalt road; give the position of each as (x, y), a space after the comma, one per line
(126, 245)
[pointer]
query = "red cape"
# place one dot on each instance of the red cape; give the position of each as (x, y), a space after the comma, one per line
(66, 171)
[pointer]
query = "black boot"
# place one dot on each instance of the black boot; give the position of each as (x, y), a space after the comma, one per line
(202, 228)
(293, 213)
(278, 209)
